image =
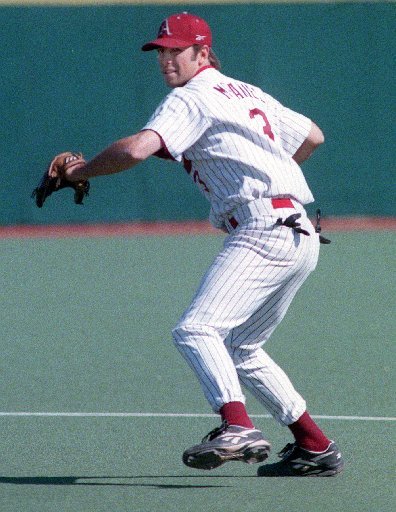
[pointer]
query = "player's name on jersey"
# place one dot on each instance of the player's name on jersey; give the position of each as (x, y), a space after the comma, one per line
(237, 90)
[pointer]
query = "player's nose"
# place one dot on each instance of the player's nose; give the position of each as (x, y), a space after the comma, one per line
(164, 54)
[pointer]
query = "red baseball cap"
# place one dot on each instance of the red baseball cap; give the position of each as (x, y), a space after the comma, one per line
(180, 31)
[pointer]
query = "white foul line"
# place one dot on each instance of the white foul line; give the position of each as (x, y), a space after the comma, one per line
(174, 415)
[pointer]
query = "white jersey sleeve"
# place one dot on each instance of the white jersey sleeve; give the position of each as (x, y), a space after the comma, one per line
(294, 129)
(179, 121)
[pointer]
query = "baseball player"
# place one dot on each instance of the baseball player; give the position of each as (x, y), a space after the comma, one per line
(243, 150)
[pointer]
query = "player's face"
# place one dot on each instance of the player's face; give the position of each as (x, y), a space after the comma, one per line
(178, 65)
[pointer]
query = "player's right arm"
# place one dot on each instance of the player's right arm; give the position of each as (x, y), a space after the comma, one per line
(119, 156)
(314, 139)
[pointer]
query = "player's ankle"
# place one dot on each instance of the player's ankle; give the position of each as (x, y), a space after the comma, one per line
(308, 435)
(235, 414)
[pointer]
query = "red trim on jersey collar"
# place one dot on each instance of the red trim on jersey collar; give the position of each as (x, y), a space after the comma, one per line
(197, 73)
(203, 69)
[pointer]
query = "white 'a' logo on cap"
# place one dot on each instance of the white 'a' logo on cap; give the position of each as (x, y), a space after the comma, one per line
(164, 29)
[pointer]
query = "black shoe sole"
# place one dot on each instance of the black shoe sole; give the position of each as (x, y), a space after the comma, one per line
(211, 459)
(280, 469)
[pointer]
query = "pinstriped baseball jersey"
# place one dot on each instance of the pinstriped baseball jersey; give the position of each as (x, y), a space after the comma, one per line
(235, 141)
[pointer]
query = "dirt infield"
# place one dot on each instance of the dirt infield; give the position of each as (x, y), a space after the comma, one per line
(175, 228)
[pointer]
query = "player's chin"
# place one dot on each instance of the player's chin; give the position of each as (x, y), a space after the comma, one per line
(171, 79)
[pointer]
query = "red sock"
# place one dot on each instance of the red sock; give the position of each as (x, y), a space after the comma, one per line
(235, 414)
(308, 435)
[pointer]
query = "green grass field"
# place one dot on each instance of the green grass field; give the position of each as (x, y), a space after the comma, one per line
(86, 329)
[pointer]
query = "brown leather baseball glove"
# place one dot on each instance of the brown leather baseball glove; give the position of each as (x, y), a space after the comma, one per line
(53, 179)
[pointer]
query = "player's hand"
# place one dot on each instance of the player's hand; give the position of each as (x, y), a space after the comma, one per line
(63, 163)
(55, 178)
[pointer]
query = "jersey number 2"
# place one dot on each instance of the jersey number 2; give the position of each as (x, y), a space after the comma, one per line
(267, 127)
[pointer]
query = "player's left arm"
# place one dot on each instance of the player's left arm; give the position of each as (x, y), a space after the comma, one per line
(119, 156)
(314, 139)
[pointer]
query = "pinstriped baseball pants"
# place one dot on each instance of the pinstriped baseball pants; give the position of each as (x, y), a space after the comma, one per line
(241, 300)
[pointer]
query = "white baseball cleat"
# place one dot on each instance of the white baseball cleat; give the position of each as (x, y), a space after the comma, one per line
(227, 443)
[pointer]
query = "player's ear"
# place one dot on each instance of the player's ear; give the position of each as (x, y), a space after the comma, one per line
(203, 54)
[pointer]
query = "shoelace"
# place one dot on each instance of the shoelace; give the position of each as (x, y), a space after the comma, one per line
(287, 450)
(216, 432)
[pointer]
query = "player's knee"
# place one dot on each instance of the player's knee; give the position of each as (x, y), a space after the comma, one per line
(179, 332)
(193, 333)
(183, 331)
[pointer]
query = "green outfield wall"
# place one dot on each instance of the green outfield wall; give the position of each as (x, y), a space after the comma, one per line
(73, 77)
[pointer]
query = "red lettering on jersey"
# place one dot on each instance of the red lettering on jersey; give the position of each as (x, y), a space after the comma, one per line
(221, 89)
(252, 94)
(197, 178)
(235, 91)
(239, 91)
(187, 164)
(245, 90)
(267, 127)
